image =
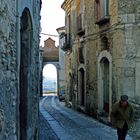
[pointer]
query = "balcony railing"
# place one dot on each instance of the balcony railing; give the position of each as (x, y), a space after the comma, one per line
(65, 46)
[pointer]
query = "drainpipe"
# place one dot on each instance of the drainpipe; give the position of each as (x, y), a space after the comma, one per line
(18, 68)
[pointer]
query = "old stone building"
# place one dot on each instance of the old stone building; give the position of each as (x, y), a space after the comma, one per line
(19, 69)
(61, 70)
(103, 46)
(51, 56)
(50, 51)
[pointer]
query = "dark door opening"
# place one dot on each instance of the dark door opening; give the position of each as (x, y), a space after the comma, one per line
(25, 32)
(82, 87)
(105, 71)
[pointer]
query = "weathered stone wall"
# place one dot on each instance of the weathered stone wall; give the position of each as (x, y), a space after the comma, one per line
(113, 12)
(128, 12)
(91, 41)
(61, 70)
(9, 70)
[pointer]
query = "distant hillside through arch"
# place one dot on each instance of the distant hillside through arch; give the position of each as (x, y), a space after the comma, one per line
(49, 79)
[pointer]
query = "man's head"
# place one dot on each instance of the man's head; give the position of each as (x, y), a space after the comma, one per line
(124, 100)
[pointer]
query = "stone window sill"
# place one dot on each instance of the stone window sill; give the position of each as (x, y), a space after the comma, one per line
(103, 20)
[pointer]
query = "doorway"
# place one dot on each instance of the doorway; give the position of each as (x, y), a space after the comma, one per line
(25, 58)
(105, 81)
(82, 86)
(105, 77)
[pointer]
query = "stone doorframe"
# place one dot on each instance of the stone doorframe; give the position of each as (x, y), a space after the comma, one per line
(82, 67)
(107, 55)
(26, 30)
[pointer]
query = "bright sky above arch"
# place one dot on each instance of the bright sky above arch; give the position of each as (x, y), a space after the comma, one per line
(49, 71)
(52, 17)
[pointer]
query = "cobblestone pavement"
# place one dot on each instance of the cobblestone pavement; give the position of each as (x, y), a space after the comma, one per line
(46, 133)
(59, 122)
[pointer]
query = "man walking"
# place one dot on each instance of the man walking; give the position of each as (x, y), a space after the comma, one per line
(122, 115)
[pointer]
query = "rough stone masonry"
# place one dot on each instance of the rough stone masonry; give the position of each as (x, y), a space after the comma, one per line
(19, 76)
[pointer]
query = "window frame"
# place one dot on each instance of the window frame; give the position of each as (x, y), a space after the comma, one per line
(101, 14)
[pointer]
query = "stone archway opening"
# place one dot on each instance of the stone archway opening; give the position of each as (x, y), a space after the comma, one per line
(25, 58)
(50, 79)
(105, 83)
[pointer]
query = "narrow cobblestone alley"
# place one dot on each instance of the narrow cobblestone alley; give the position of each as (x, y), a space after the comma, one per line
(59, 122)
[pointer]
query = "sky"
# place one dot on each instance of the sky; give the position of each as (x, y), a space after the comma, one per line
(49, 71)
(52, 17)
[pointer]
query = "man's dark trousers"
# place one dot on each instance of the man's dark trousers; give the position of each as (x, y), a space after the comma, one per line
(122, 132)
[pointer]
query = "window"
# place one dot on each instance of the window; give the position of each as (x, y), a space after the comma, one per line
(69, 29)
(102, 12)
(81, 55)
(80, 24)
(80, 17)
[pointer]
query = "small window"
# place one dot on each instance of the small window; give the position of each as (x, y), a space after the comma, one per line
(101, 11)
(81, 55)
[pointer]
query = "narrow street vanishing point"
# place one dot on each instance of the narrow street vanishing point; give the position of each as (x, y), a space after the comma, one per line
(58, 122)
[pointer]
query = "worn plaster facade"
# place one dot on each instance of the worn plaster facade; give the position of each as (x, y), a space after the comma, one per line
(61, 70)
(19, 69)
(104, 52)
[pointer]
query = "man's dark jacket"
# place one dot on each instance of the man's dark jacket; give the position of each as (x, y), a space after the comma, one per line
(120, 115)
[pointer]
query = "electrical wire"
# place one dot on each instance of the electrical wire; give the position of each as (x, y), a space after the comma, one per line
(49, 35)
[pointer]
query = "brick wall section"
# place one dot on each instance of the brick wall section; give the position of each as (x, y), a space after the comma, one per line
(51, 52)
